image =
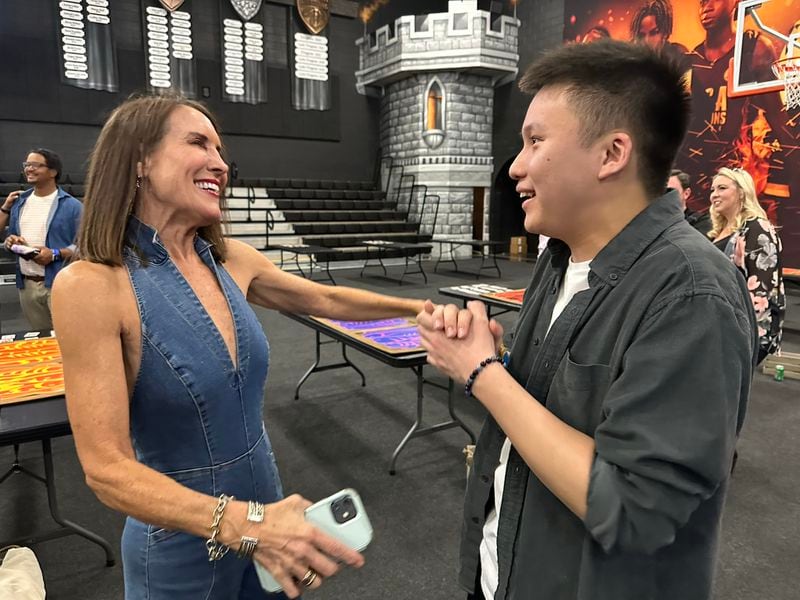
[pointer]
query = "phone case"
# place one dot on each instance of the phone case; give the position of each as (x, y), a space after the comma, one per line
(24, 251)
(355, 532)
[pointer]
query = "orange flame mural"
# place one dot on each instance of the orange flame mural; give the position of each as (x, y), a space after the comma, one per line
(366, 12)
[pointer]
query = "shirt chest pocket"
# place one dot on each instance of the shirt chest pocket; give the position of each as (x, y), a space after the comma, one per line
(577, 392)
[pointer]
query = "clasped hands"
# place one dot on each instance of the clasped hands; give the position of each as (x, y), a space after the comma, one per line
(455, 339)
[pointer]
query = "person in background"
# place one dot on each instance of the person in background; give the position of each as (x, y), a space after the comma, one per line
(680, 181)
(603, 466)
(165, 365)
(743, 232)
(652, 25)
(598, 32)
(44, 218)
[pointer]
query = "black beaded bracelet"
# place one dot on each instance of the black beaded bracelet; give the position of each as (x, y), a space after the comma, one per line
(474, 375)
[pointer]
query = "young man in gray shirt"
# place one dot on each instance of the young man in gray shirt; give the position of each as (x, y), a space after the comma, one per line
(602, 468)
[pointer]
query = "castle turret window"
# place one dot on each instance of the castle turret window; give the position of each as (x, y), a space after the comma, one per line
(433, 129)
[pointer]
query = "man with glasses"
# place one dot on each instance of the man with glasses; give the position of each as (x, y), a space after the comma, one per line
(42, 226)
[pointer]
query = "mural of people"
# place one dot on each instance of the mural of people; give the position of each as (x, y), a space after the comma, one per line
(598, 32)
(749, 130)
(652, 25)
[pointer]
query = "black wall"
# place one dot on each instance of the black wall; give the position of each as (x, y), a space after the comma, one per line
(37, 109)
(542, 28)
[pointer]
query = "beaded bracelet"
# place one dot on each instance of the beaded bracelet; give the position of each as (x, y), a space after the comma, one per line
(481, 366)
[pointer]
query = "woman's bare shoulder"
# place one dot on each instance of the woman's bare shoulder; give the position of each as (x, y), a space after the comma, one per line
(86, 279)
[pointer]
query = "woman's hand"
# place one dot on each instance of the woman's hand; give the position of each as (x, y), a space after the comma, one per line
(289, 546)
(456, 340)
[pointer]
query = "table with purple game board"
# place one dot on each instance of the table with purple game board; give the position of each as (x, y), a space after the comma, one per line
(400, 351)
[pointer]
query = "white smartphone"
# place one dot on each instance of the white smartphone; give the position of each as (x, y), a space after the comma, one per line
(25, 251)
(341, 516)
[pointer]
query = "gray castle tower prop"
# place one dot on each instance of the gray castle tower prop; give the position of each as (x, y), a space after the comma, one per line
(436, 76)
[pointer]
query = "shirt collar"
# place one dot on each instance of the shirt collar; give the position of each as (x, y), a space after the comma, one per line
(616, 258)
(145, 240)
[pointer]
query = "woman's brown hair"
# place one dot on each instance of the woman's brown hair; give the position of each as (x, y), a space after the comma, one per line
(130, 135)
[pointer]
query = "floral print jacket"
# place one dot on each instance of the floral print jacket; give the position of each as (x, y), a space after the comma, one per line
(756, 250)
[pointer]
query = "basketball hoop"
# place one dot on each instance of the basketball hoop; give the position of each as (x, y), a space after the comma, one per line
(788, 70)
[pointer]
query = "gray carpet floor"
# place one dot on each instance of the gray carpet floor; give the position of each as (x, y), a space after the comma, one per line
(339, 434)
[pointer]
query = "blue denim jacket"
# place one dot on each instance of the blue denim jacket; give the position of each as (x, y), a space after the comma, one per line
(62, 229)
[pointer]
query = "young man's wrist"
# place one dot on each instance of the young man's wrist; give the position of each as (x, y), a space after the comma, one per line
(5, 210)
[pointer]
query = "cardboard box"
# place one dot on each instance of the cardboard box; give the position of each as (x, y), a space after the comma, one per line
(519, 246)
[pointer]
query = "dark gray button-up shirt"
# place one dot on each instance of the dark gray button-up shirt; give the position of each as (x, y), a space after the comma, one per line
(654, 361)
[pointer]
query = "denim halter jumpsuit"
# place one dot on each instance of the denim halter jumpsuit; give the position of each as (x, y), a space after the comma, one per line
(196, 418)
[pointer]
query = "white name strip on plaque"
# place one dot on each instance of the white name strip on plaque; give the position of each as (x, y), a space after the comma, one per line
(169, 34)
(310, 57)
(73, 40)
(240, 41)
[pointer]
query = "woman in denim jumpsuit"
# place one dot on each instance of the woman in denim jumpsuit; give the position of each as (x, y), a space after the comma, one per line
(165, 365)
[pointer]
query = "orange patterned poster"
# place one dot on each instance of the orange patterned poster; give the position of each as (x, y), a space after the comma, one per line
(512, 296)
(29, 370)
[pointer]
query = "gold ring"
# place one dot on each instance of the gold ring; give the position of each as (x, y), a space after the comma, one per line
(309, 578)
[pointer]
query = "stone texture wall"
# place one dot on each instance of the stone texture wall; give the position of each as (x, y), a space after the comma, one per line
(461, 162)
(467, 59)
(383, 54)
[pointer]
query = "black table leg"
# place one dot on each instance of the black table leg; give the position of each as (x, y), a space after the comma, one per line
(416, 429)
(316, 368)
(67, 527)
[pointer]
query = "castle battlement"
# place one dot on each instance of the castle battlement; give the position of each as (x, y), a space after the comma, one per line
(466, 40)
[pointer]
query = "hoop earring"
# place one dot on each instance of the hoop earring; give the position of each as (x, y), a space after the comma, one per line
(138, 182)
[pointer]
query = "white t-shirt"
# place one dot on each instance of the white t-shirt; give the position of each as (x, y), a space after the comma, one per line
(543, 239)
(33, 227)
(576, 279)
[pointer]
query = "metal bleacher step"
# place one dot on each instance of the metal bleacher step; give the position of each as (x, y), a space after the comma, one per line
(243, 203)
(239, 228)
(254, 215)
(245, 192)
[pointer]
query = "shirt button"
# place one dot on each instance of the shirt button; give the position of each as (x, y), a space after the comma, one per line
(536, 341)
(613, 277)
(547, 364)
(485, 478)
(476, 520)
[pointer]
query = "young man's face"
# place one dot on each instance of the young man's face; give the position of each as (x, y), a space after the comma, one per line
(713, 12)
(650, 33)
(36, 170)
(553, 170)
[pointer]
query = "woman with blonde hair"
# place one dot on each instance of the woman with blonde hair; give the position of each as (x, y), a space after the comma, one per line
(740, 229)
(165, 364)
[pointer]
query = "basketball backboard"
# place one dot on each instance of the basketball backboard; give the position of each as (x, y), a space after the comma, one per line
(766, 30)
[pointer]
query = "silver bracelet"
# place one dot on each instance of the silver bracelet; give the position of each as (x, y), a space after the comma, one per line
(255, 512)
(247, 547)
(215, 549)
